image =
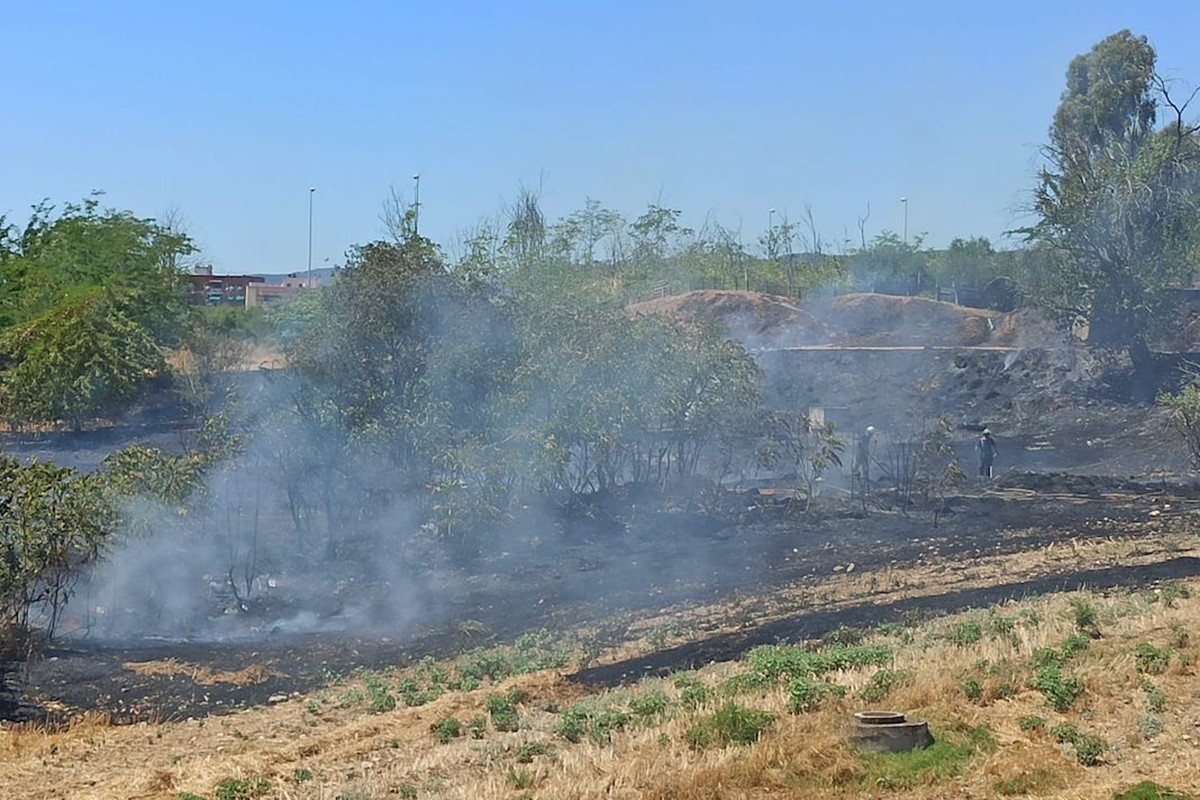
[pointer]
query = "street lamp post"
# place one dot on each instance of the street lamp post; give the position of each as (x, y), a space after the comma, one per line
(417, 204)
(771, 234)
(904, 202)
(311, 191)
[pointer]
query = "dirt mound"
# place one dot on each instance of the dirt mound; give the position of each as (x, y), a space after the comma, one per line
(757, 320)
(880, 319)
(852, 320)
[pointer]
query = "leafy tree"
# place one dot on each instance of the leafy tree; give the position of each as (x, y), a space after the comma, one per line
(53, 520)
(1117, 197)
(89, 299)
(77, 359)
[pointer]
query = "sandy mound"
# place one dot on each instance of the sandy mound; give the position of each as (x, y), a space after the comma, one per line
(757, 320)
(880, 319)
(863, 320)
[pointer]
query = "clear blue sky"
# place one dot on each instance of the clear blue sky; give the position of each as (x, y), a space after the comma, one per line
(229, 111)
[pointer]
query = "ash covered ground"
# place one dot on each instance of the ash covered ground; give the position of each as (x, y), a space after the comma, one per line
(1084, 456)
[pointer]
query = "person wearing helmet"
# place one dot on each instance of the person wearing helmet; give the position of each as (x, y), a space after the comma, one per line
(986, 447)
(862, 456)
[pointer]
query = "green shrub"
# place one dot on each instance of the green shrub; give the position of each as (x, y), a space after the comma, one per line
(971, 688)
(966, 633)
(1088, 749)
(881, 684)
(527, 752)
(693, 696)
(730, 724)
(1155, 697)
(809, 694)
(1038, 781)
(477, 727)
(241, 788)
(1151, 660)
(446, 730)
(1031, 723)
(503, 712)
(1060, 690)
(650, 704)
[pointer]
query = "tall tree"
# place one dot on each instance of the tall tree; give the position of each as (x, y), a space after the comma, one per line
(1117, 196)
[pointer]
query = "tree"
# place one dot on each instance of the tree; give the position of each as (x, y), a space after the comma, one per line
(1117, 197)
(89, 300)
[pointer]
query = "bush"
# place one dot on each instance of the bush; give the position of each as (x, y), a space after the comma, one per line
(809, 694)
(1031, 723)
(881, 683)
(730, 724)
(446, 729)
(503, 712)
(1151, 660)
(1060, 690)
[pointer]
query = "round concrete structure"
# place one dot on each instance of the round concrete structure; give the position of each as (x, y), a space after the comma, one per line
(888, 732)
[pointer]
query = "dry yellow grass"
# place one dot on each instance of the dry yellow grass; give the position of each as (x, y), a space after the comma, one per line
(337, 748)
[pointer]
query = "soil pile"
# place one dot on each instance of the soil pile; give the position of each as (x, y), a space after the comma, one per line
(762, 321)
(757, 320)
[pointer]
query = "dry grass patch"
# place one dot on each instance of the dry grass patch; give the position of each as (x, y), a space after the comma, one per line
(769, 725)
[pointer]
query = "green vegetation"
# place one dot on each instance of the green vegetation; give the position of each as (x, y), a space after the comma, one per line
(729, 725)
(241, 788)
(446, 730)
(1088, 749)
(944, 759)
(1149, 790)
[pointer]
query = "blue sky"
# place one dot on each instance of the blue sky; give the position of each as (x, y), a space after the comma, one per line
(228, 112)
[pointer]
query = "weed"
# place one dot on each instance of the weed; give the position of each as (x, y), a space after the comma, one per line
(1088, 749)
(693, 696)
(1085, 616)
(477, 726)
(300, 775)
(241, 789)
(881, 683)
(1151, 660)
(771, 663)
(1038, 781)
(1149, 790)
(1031, 723)
(847, 637)
(1150, 725)
(521, 778)
(1075, 644)
(603, 725)
(972, 689)
(809, 694)
(1060, 690)
(966, 633)
(1001, 627)
(651, 704)
(1172, 591)
(1179, 636)
(446, 730)
(414, 695)
(730, 724)
(527, 752)
(572, 726)
(1155, 698)
(188, 796)
(406, 791)
(503, 712)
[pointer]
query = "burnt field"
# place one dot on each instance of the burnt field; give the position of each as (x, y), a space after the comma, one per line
(739, 562)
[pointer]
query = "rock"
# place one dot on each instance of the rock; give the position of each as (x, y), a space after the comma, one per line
(277, 698)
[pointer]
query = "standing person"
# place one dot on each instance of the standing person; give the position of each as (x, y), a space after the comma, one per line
(987, 453)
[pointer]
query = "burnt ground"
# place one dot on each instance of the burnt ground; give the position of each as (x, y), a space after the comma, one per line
(641, 565)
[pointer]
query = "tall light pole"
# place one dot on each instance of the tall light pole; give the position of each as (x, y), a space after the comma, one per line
(904, 202)
(771, 234)
(311, 191)
(417, 204)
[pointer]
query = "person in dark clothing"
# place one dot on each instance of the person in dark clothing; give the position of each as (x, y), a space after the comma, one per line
(986, 448)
